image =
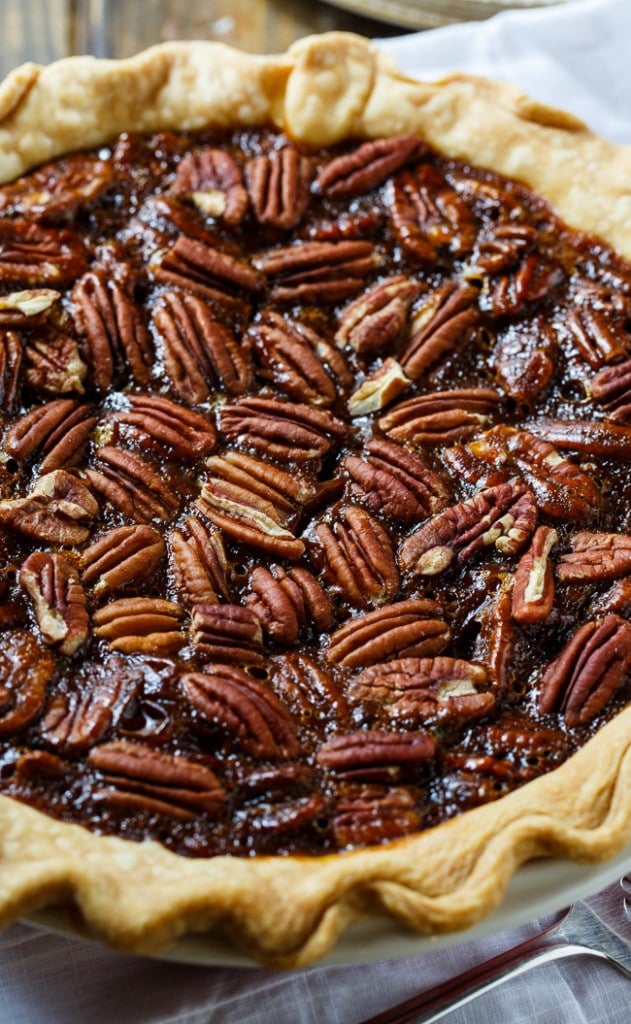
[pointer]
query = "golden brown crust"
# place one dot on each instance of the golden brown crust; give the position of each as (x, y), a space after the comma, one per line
(282, 911)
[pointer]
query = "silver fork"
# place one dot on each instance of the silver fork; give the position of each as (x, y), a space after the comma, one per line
(599, 927)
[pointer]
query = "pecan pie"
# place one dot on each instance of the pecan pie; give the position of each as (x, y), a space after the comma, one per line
(315, 532)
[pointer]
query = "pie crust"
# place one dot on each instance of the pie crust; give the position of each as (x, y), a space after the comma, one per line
(288, 911)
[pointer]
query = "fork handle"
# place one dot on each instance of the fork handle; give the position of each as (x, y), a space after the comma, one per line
(435, 1003)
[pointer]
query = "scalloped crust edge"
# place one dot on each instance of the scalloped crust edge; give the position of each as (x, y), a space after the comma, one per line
(325, 88)
(288, 911)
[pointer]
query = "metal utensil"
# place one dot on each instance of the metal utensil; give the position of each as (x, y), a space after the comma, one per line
(598, 927)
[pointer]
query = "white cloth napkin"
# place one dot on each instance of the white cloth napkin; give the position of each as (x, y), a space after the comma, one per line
(576, 56)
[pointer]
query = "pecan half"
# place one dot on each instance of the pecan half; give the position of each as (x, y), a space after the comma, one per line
(132, 485)
(213, 274)
(278, 184)
(60, 602)
(213, 181)
(164, 426)
(318, 271)
(123, 557)
(367, 815)
(395, 482)
(611, 388)
(358, 557)
(379, 388)
(284, 430)
(609, 439)
(428, 216)
(57, 189)
(504, 516)
(368, 165)
(110, 323)
(533, 589)
(590, 669)
(156, 782)
(510, 294)
(55, 511)
(561, 489)
(10, 367)
(36, 256)
(227, 633)
(25, 671)
(427, 690)
(596, 332)
(77, 719)
(198, 564)
(595, 556)
(374, 755)
(246, 709)
(312, 694)
(288, 602)
(504, 245)
(140, 625)
(284, 490)
(616, 599)
(441, 417)
(248, 518)
(301, 363)
(53, 363)
(524, 358)
(495, 643)
(200, 354)
(379, 316)
(26, 308)
(443, 323)
(58, 429)
(404, 629)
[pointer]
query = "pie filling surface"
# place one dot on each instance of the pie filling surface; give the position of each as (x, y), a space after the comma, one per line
(315, 519)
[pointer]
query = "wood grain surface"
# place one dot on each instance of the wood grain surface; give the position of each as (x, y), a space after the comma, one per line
(43, 30)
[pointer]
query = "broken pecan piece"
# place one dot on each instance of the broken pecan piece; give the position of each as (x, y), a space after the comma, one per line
(533, 589)
(286, 602)
(318, 271)
(132, 485)
(290, 431)
(596, 332)
(595, 556)
(55, 511)
(524, 357)
(504, 515)
(510, 294)
(245, 709)
(441, 417)
(25, 671)
(200, 354)
(52, 363)
(26, 308)
(167, 427)
(140, 625)
(111, 326)
(123, 557)
(60, 602)
(10, 366)
(198, 564)
(445, 321)
(156, 782)
(380, 387)
(590, 669)
(59, 429)
(227, 633)
(495, 643)
(611, 388)
(379, 316)
(213, 181)
(428, 216)
(368, 165)
(278, 185)
(377, 756)
(76, 719)
(561, 489)
(427, 690)
(300, 362)
(35, 256)
(358, 557)
(404, 629)
(395, 482)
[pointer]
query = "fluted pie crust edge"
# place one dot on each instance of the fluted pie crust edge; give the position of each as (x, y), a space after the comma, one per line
(288, 911)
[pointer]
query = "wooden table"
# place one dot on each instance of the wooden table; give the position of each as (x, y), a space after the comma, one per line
(42, 30)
